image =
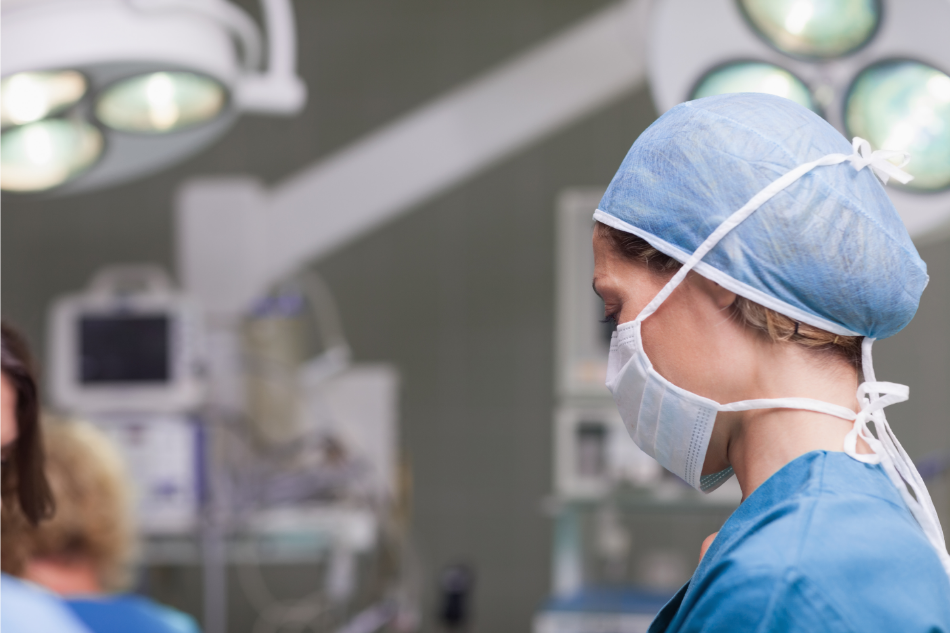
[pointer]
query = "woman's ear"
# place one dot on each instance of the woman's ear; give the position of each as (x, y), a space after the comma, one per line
(721, 297)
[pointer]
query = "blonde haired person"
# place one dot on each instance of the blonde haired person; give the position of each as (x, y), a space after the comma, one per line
(85, 552)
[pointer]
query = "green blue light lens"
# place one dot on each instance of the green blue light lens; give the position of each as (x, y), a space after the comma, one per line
(160, 102)
(755, 77)
(814, 28)
(31, 96)
(47, 153)
(905, 105)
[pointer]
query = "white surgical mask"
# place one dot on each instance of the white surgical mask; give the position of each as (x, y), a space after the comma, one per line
(669, 423)
(674, 425)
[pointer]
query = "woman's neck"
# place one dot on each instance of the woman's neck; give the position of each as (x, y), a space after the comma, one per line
(761, 442)
(67, 577)
(771, 438)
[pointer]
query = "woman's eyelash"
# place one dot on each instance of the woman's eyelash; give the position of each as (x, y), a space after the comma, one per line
(610, 318)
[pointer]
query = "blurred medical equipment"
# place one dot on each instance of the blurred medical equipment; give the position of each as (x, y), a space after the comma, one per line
(591, 449)
(624, 610)
(456, 585)
(97, 92)
(592, 453)
(276, 338)
(130, 342)
(618, 516)
(236, 238)
(877, 69)
(300, 467)
(127, 355)
(307, 466)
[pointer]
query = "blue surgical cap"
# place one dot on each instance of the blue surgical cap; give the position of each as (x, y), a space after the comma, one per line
(830, 250)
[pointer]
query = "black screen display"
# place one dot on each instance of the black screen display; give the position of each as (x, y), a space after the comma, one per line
(124, 349)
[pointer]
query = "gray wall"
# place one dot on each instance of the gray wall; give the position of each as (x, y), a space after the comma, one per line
(458, 293)
(919, 356)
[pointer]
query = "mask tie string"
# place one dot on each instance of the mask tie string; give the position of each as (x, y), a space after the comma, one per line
(887, 451)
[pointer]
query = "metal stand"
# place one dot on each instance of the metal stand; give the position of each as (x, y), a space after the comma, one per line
(213, 554)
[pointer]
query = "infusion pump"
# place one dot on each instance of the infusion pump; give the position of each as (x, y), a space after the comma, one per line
(129, 343)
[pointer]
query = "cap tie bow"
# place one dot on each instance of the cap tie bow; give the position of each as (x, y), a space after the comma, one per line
(880, 161)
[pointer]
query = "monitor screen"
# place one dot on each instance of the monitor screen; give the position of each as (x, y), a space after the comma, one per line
(129, 348)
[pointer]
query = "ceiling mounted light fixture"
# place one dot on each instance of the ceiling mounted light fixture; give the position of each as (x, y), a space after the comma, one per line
(28, 97)
(905, 105)
(754, 77)
(160, 102)
(814, 28)
(44, 154)
(872, 68)
(153, 80)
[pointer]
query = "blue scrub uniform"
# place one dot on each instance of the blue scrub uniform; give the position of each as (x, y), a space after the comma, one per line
(28, 608)
(826, 544)
(129, 613)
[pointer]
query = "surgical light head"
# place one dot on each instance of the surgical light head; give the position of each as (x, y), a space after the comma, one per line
(905, 105)
(814, 28)
(97, 92)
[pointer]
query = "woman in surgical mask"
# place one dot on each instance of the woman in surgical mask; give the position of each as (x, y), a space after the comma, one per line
(750, 256)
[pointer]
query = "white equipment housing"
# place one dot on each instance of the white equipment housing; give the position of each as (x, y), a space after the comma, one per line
(130, 343)
(163, 456)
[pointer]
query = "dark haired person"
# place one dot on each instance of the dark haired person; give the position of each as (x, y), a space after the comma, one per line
(26, 496)
(24, 483)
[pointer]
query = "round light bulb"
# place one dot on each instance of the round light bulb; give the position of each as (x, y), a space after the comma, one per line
(814, 28)
(905, 105)
(31, 96)
(47, 153)
(160, 102)
(755, 77)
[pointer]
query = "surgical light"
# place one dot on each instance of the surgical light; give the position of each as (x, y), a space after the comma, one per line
(47, 153)
(905, 105)
(157, 79)
(31, 96)
(754, 77)
(889, 92)
(160, 102)
(814, 28)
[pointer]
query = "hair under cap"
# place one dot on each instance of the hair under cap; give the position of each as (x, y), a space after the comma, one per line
(830, 250)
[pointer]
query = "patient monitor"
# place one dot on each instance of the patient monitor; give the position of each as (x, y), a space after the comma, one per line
(128, 343)
(125, 354)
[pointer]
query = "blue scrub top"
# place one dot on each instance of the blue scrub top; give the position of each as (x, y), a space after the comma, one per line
(826, 544)
(128, 613)
(28, 608)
